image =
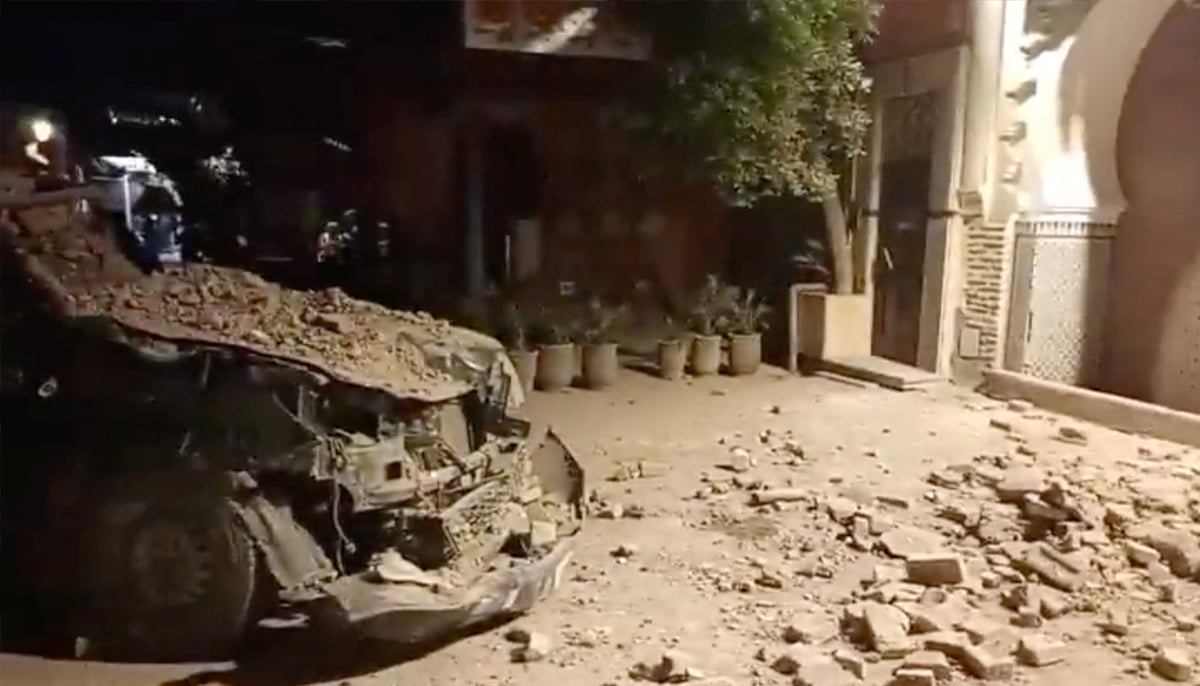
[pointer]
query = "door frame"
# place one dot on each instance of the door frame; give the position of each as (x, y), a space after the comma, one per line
(942, 73)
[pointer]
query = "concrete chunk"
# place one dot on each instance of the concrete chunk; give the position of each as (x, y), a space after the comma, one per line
(887, 630)
(536, 648)
(913, 677)
(935, 569)
(1173, 664)
(1039, 650)
(930, 660)
(984, 664)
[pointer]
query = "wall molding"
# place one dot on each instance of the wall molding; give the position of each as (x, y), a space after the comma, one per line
(1065, 226)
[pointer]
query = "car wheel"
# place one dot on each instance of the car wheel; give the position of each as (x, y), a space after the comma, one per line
(187, 578)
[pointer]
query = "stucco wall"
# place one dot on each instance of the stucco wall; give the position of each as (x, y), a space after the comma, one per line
(1152, 347)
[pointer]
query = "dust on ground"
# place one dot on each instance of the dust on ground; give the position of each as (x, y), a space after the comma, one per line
(1048, 551)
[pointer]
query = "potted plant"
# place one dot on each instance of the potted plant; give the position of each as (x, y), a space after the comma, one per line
(556, 362)
(672, 351)
(600, 362)
(707, 322)
(746, 322)
(513, 330)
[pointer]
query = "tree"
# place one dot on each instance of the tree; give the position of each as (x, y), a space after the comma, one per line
(765, 97)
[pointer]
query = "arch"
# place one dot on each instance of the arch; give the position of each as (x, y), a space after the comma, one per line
(1152, 346)
(1073, 118)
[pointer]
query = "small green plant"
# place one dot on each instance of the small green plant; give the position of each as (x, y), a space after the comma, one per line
(748, 314)
(600, 321)
(672, 328)
(710, 312)
(554, 325)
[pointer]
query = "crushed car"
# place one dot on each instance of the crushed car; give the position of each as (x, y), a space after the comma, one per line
(198, 449)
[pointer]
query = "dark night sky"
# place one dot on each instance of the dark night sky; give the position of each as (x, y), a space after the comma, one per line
(90, 47)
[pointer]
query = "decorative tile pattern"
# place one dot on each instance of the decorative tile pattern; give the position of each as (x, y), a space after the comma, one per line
(1069, 283)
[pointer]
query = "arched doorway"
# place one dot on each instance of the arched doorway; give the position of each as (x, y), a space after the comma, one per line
(1152, 342)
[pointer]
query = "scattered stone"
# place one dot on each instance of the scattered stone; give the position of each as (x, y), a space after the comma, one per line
(1019, 481)
(935, 569)
(841, 510)
(1039, 650)
(929, 660)
(1118, 516)
(648, 469)
(1040, 561)
(823, 671)
(674, 667)
(1028, 618)
(887, 629)
(789, 660)
(810, 628)
(1186, 623)
(999, 423)
(740, 460)
(854, 621)
(907, 541)
(1172, 664)
(1053, 603)
(897, 501)
(851, 661)
(886, 572)
(794, 447)
(946, 478)
(1072, 434)
(950, 643)
(624, 551)
(1140, 554)
(1179, 549)
(990, 579)
(913, 677)
(982, 630)
(517, 634)
(536, 648)
(1020, 406)
(983, 664)
(1116, 621)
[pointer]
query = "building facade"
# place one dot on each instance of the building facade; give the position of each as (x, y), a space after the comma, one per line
(1032, 175)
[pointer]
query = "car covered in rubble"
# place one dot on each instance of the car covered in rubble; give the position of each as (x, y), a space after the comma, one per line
(198, 449)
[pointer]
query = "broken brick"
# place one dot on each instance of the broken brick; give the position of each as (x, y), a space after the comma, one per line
(935, 569)
(950, 643)
(887, 628)
(1172, 664)
(913, 677)
(1039, 650)
(930, 660)
(984, 664)
(1140, 554)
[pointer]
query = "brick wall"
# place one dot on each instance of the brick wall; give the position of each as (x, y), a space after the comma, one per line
(986, 277)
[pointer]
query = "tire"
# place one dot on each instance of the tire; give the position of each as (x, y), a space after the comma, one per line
(183, 575)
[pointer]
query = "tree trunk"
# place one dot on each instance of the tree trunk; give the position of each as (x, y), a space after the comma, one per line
(837, 236)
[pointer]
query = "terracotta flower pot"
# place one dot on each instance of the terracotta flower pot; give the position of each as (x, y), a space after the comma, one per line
(526, 363)
(555, 366)
(745, 353)
(600, 364)
(672, 358)
(706, 355)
